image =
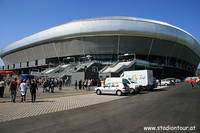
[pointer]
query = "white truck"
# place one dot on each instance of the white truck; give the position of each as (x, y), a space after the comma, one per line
(134, 88)
(144, 78)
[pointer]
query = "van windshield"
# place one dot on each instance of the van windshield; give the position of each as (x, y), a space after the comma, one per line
(125, 81)
(133, 82)
(125, 85)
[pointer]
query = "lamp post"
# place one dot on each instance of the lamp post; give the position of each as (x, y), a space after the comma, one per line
(69, 58)
(118, 43)
(89, 57)
(50, 64)
(134, 56)
(127, 54)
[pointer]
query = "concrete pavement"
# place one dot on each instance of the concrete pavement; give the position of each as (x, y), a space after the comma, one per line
(12, 111)
(65, 99)
(66, 91)
(176, 106)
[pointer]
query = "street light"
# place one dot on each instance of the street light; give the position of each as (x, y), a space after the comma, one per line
(134, 56)
(69, 58)
(127, 54)
(50, 64)
(89, 57)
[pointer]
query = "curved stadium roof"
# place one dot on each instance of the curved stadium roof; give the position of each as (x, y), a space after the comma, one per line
(105, 26)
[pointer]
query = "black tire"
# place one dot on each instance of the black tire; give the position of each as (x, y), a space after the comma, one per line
(119, 93)
(133, 92)
(98, 92)
(166, 84)
(137, 91)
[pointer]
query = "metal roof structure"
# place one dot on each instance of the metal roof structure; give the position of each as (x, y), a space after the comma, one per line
(118, 25)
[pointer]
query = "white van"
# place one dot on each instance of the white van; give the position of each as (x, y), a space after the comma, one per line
(134, 88)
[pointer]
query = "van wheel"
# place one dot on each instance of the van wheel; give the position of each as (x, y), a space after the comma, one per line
(132, 91)
(98, 92)
(166, 84)
(119, 93)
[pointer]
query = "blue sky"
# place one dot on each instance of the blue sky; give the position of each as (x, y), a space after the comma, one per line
(20, 18)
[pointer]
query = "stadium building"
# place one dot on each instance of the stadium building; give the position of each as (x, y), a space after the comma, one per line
(106, 45)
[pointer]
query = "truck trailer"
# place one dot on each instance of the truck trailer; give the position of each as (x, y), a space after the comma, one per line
(144, 78)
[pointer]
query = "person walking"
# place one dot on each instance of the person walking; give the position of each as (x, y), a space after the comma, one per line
(23, 89)
(198, 82)
(191, 82)
(33, 88)
(2, 87)
(86, 84)
(83, 84)
(52, 85)
(80, 84)
(76, 84)
(48, 85)
(28, 85)
(89, 82)
(13, 89)
(60, 84)
(102, 82)
(45, 85)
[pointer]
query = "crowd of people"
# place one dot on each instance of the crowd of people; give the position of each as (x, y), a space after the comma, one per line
(86, 84)
(15, 84)
(48, 85)
(23, 86)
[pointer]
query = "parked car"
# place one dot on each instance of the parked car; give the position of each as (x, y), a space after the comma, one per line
(178, 80)
(113, 88)
(165, 82)
(191, 79)
(173, 80)
(134, 87)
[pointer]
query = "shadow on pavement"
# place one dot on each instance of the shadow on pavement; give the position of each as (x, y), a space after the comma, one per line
(41, 101)
(143, 92)
(112, 95)
(157, 90)
(29, 101)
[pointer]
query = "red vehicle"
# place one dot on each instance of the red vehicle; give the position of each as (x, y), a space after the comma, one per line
(6, 72)
(191, 79)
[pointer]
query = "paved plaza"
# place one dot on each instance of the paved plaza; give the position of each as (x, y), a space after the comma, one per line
(66, 99)
(12, 111)
(66, 91)
(174, 106)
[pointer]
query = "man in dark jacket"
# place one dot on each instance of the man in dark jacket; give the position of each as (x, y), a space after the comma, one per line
(60, 83)
(80, 84)
(13, 89)
(2, 87)
(45, 86)
(33, 88)
(52, 85)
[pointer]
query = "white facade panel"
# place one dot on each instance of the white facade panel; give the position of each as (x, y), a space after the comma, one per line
(32, 64)
(17, 65)
(41, 62)
(24, 65)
